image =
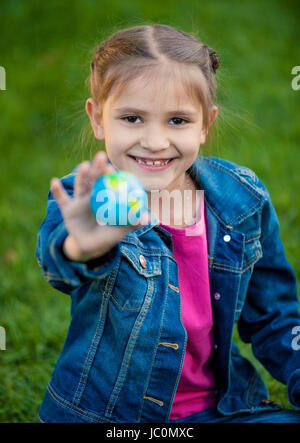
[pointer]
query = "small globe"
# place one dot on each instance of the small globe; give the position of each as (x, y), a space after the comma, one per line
(118, 199)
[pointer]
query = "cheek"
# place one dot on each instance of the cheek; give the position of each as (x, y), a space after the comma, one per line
(188, 139)
(190, 146)
(120, 137)
(114, 141)
(116, 149)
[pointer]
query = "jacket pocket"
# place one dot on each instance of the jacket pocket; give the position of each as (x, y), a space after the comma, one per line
(135, 278)
(253, 252)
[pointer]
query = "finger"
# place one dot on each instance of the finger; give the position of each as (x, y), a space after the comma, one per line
(59, 193)
(100, 166)
(109, 169)
(97, 167)
(80, 184)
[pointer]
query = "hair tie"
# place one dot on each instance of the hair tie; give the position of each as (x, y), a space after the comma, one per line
(214, 59)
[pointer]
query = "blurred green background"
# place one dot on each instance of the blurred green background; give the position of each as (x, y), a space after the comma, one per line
(46, 48)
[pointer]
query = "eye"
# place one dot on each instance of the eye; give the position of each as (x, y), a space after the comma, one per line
(178, 121)
(130, 118)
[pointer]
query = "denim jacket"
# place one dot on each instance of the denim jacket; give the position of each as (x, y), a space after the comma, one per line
(123, 354)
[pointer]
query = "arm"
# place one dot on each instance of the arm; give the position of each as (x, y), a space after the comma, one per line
(62, 272)
(271, 310)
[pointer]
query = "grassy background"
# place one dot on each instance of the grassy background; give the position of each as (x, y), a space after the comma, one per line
(45, 48)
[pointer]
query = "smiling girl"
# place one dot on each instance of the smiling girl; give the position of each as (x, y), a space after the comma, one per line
(153, 306)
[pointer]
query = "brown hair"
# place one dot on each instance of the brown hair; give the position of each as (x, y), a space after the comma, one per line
(131, 52)
(128, 53)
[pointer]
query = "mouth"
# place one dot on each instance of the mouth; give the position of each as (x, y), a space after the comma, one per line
(152, 163)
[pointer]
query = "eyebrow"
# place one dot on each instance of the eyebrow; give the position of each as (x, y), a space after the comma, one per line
(141, 111)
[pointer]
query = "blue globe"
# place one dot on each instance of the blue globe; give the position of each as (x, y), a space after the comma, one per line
(118, 199)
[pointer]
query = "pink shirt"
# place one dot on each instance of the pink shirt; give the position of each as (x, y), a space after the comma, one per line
(196, 388)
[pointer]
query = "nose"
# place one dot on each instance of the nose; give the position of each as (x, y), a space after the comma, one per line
(155, 140)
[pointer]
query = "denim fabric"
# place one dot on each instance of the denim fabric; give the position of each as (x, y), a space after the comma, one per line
(124, 350)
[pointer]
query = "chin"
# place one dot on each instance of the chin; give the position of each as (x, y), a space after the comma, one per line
(154, 187)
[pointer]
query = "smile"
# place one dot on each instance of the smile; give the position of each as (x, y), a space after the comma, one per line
(152, 164)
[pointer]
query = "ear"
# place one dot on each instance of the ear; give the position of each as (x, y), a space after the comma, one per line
(92, 110)
(212, 118)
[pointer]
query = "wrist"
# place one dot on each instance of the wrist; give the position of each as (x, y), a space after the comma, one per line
(73, 252)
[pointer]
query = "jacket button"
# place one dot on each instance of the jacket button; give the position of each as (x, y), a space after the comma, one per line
(217, 296)
(227, 238)
(142, 261)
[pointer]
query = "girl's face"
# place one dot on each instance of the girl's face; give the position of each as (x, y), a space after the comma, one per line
(153, 129)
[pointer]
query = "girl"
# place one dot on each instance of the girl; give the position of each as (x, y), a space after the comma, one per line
(153, 306)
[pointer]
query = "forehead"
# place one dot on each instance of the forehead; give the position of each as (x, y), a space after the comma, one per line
(162, 87)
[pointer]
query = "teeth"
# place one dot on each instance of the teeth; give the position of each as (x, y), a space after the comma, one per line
(152, 163)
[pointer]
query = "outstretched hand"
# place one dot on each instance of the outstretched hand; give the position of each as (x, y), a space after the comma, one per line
(88, 239)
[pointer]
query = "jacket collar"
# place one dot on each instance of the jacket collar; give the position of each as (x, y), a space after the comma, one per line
(222, 183)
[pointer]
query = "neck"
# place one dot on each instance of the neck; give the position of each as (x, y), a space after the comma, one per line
(178, 207)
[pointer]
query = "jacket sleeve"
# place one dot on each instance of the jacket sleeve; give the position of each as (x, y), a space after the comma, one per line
(270, 315)
(62, 273)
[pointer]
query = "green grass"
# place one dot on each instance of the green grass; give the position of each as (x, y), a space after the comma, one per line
(45, 48)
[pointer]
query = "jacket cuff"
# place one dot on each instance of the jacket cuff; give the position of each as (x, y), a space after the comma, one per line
(293, 389)
(71, 270)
